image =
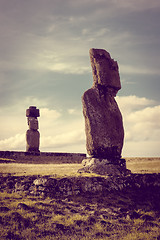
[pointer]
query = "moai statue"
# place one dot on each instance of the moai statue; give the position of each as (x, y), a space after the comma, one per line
(32, 135)
(103, 119)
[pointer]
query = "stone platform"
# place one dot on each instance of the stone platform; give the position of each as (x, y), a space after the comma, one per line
(42, 157)
(112, 167)
(51, 186)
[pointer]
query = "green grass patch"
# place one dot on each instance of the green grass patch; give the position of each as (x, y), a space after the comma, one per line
(111, 217)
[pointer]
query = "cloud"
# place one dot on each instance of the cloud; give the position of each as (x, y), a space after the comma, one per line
(49, 115)
(126, 69)
(140, 6)
(128, 104)
(141, 118)
(144, 124)
(56, 36)
(64, 134)
(64, 140)
(141, 149)
(45, 44)
(64, 130)
(59, 130)
(74, 112)
(13, 143)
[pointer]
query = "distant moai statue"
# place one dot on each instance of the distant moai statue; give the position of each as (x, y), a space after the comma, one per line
(32, 135)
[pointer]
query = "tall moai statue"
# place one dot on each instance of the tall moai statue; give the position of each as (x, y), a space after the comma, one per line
(103, 119)
(32, 135)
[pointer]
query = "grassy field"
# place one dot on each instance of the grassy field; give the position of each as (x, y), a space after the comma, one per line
(126, 215)
(143, 165)
(136, 165)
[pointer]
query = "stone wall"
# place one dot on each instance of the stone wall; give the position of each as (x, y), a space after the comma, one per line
(43, 157)
(50, 186)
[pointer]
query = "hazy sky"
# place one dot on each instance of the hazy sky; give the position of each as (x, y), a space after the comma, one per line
(44, 61)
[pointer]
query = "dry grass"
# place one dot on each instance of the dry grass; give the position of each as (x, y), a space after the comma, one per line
(21, 169)
(119, 216)
(126, 216)
(136, 165)
(143, 165)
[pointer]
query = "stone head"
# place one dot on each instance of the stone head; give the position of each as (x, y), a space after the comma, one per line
(104, 69)
(33, 123)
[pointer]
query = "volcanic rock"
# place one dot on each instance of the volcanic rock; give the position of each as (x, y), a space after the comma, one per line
(103, 119)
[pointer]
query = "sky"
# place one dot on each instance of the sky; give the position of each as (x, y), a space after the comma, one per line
(44, 62)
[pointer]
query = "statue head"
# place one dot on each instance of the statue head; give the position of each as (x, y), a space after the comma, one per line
(104, 69)
(33, 123)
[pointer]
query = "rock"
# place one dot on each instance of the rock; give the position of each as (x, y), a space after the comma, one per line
(32, 138)
(87, 186)
(32, 135)
(32, 112)
(21, 221)
(65, 187)
(147, 217)
(90, 161)
(134, 215)
(40, 181)
(23, 206)
(109, 169)
(12, 235)
(4, 209)
(103, 120)
(93, 185)
(33, 123)
(104, 69)
(104, 167)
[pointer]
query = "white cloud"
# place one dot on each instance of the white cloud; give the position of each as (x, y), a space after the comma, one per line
(66, 133)
(67, 139)
(142, 126)
(132, 103)
(74, 111)
(59, 130)
(51, 41)
(141, 149)
(16, 142)
(71, 111)
(64, 130)
(49, 115)
(126, 69)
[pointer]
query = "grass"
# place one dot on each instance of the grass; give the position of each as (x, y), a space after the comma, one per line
(21, 169)
(125, 215)
(7, 160)
(136, 165)
(143, 165)
(120, 216)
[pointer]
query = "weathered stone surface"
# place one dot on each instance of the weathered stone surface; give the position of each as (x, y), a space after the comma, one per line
(32, 112)
(32, 135)
(48, 186)
(104, 69)
(33, 123)
(103, 120)
(32, 139)
(104, 167)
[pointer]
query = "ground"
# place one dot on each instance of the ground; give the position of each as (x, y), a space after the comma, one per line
(131, 214)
